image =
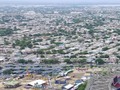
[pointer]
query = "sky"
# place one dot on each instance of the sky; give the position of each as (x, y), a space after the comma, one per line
(59, 1)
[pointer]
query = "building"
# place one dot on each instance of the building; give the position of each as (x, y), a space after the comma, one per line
(67, 87)
(38, 84)
(11, 84)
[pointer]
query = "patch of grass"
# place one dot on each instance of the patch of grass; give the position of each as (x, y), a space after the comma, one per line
(82, 86)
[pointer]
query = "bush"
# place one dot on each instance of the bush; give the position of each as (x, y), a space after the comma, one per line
(99, 61)
(82, 86)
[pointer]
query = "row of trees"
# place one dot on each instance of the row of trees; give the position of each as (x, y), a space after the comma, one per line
(42, 51)
(24, 61)
(50, 61)
(68, 61)
(104, 56)
(98, 61)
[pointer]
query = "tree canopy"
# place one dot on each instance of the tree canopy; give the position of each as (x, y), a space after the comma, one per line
(5, 32)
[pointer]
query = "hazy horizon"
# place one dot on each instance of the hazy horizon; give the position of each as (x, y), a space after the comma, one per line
(59, 1)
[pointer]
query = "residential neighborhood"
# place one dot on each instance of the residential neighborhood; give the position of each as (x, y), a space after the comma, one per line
(57, 47)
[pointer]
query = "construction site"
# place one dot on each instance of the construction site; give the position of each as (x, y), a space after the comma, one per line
(64, 80)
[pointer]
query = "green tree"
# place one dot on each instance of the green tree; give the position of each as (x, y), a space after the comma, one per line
(82, 61)
(22, 61)
(8, 71)
(5, 32)
(105, 48)
(25, 42)
(41, 51)
(99, 61)
(68, 61)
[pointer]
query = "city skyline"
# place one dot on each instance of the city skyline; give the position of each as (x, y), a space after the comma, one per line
(60, 1)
